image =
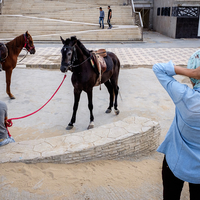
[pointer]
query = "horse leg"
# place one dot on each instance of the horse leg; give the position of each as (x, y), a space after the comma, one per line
(110, 90)
(8, 82)
(116, 90)
(77, 94)
(90, 106)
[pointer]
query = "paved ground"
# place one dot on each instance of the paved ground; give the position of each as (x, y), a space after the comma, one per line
(142, 96)
(155, 48)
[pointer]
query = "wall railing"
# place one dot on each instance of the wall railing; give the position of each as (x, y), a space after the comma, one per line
(137, 16)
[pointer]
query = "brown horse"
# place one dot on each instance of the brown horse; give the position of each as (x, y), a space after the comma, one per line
(14, 48)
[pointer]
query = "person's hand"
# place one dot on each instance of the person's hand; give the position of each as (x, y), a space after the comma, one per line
(191, 73)
(8, 123)
(197, 73)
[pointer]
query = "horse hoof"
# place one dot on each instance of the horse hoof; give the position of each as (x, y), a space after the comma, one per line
(69, 127)
(91, 125)
(108, 111)
(12, 97)
(117, 112)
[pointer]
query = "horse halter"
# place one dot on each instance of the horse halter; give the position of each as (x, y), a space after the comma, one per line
(27, 44)
(74, 54)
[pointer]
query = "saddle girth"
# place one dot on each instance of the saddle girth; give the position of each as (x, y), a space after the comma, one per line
(98, 57)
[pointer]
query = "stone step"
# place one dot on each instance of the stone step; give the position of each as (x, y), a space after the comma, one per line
(46, 20)
(128, 34)
(130, 136)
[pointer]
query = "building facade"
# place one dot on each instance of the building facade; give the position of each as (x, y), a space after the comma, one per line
(177, 18)
(174, 18)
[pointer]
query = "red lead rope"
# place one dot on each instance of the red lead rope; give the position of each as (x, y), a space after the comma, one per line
(9, 121)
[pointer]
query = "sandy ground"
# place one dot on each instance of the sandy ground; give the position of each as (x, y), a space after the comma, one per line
(108, 179)
(128, 178)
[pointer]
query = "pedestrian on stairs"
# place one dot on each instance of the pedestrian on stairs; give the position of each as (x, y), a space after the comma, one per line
(109, 17)
(4, 137)
(101, 18)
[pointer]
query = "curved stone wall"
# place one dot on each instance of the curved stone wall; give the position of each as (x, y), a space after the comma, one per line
(130, 136)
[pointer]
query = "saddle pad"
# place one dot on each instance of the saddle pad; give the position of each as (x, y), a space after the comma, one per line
(3, 52)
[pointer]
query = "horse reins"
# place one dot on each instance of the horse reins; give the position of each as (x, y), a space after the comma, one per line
(82, 62)
(9, 121)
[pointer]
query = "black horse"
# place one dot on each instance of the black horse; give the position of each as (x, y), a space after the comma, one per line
(76, 58)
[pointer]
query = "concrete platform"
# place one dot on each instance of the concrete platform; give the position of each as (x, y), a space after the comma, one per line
(130, 136)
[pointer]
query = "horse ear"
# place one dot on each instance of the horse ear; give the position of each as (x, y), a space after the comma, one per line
(63, 41)
(26, 33)
(73, 38)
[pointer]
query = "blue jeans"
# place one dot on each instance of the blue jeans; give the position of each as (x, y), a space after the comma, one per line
(7, 140)
(101, 22)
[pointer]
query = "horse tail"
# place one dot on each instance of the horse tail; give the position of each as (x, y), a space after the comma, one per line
(120, 95)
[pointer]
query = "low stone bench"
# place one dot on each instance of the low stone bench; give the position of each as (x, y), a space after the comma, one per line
(130, 136)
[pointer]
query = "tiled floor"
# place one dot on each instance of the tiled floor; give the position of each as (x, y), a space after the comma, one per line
(127, 56)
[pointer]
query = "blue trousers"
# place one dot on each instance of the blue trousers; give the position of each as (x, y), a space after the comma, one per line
(101, 22)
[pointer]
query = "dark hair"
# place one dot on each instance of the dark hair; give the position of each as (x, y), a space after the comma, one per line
(108, 6)
(100, 8)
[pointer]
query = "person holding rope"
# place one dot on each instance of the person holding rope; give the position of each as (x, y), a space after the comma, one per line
(4, 136)
(181, 147)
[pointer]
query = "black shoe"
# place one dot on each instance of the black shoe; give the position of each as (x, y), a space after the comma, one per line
(103, 27)
(100, 26)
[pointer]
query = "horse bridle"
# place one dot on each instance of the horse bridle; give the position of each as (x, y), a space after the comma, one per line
(27, 44)
(74, 56)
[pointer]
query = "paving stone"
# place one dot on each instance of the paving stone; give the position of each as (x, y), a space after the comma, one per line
(127, 56)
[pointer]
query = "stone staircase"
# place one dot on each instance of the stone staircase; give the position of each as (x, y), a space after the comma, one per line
(47, 20)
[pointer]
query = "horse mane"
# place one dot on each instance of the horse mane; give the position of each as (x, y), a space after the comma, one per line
(83, 48)
(16, 41)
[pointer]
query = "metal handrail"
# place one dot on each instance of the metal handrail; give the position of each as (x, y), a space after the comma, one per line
(140, 17)
(134, 13)
(133, 7)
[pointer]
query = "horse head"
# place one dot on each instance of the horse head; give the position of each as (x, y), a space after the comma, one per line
(29, 43)
(69, 53)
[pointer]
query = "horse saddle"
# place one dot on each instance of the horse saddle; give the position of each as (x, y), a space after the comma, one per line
(3, 52)
(98, 57)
